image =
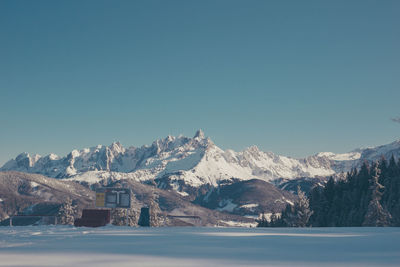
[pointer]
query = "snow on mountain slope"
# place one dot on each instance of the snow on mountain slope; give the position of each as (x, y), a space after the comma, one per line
(195, 161)
(340, 157)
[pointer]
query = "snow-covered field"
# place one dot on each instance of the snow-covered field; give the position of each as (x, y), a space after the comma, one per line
(123, 246)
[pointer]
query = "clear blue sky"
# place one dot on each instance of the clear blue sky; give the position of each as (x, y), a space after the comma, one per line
(292, 77)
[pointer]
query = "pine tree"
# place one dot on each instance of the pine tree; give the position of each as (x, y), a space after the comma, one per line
(262, 221)
(273, 219)
(288, 217)
(376, 215)
(362, 195)
(66, 214)
(383, 168)
(391, 195)
(317, 204)
(302, 209)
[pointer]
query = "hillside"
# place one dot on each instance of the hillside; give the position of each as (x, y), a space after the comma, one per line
(22, 192)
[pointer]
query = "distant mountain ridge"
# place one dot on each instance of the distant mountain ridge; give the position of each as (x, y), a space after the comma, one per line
(190, 161)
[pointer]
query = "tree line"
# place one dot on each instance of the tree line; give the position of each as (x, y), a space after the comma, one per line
(369, 196)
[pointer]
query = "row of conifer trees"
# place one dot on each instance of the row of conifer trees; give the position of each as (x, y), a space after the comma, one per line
(369, 196)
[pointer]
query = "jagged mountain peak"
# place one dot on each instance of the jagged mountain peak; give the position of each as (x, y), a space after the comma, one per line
(23, 161)
(199, 134)
(195, 161)
(252, 149)
(111, 158)
(116, 148)
(52, 156)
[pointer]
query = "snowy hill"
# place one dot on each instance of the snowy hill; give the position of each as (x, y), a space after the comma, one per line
(179, 161)
(25, 193)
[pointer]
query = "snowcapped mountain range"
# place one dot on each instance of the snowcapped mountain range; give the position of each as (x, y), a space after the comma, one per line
(192, 161)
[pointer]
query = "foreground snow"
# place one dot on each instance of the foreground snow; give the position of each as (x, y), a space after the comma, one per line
(121, 246)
